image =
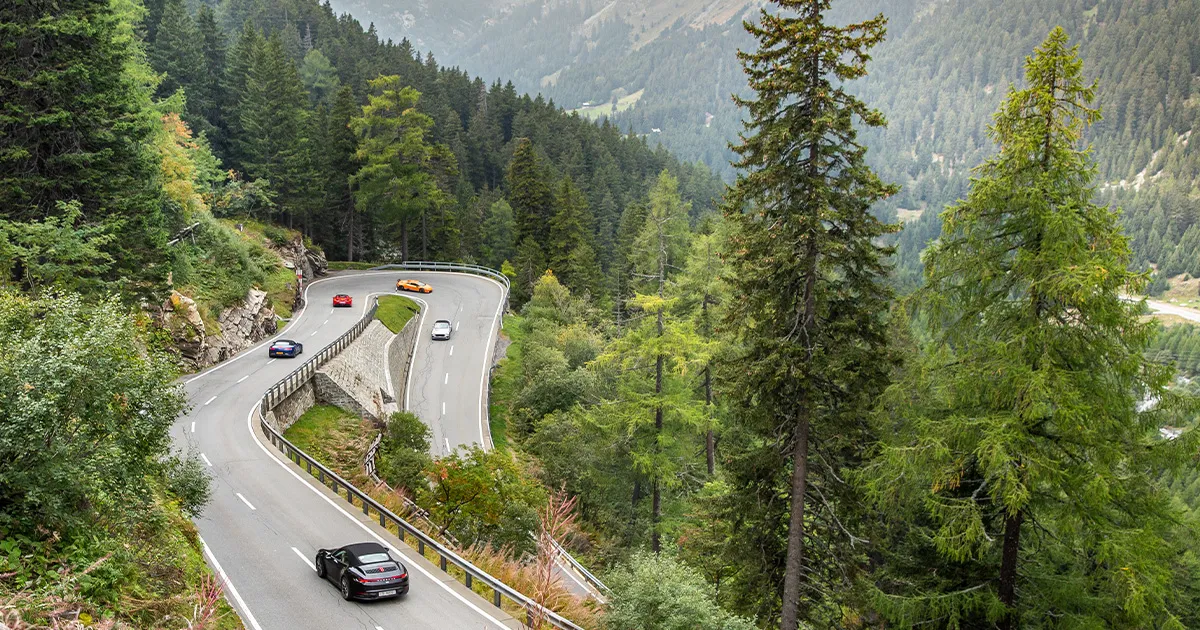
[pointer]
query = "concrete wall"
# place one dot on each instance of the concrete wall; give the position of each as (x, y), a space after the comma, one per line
(400, 357)
(354, 380)
(289, 410)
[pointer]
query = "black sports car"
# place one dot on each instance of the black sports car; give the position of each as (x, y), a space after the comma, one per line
(363, 571)
(285, 348)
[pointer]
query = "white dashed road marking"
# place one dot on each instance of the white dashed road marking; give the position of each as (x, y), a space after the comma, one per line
(239, 495)
(205, 458)
(314, 333)
(443, 409)
(193, 427)
(306, 560)
(325, 322)
(451, 350)
(447, 441)
(447, 380)
(456, 325)
(272, 361)
(210, 400)
(243, 378)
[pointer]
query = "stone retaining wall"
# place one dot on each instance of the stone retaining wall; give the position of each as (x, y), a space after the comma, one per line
(400, 356)
(289, 410)
(354, 379)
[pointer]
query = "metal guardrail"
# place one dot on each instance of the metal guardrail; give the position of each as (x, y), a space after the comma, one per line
(421, 265)
(446, 557)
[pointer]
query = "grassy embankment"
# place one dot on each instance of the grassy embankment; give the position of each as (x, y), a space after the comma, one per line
(506, 381)
(395, 311)
(149, 572)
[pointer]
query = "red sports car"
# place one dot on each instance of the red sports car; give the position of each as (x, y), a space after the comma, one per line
(342, 299)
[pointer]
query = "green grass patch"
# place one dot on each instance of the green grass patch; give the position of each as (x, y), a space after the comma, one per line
(395, 311)
(595, 112)
(332, 436)
(506, 382)
(357, 265)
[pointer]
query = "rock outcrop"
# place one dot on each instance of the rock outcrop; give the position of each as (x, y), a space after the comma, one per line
(202, 344)
(237, 328)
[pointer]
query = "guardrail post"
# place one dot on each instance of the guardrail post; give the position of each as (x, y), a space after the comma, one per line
(421, 546)
(496, 596)
(468, 580)
(442, 562)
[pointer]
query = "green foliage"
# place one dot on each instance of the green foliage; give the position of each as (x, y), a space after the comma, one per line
(484, 496)
(319, 75)
(188, 480)
(404, 453)
(54, 252)
(1177, 345)
(395, 311)
(1013, 435)
(397, 178)
(812, 320)
(499, 235)
(658, 591)
(221, 267)
(530, 193)
(73, 446)
(76, 130)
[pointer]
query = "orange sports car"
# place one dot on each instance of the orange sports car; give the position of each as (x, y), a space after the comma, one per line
(413, 285)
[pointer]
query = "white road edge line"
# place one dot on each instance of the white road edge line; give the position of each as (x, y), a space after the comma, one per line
(209, 401)
(245, 610)
(411, 564)
(305, 559)
(205, 458)
(487, 361)
(248, 504)
(412, 361)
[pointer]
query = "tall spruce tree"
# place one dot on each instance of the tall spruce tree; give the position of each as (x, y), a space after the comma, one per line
(805, 255)
(338, 165)
(570, 227)
(530, 194)
(177, 52)
(212, 82)
(274, 127)
(1026, 447)
(76, 127)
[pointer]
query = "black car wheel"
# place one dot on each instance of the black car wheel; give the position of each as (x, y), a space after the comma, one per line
(346, 588)
(320, 567)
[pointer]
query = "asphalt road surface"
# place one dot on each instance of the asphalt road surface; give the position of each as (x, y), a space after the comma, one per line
(266, 521)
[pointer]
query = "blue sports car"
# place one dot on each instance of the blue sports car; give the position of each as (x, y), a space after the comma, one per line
(285, 348)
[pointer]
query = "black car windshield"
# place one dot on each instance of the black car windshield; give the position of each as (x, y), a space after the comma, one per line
(372, 558)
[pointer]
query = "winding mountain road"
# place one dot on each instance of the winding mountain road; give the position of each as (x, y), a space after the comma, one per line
(266, 520)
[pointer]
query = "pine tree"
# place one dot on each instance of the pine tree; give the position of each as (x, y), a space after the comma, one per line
(240, 61)
(178, 54)
(396, 183)
(570, 227)
(499, 235)
(1032, 469)
(337, 166)
(211, 88)
(805, 255)
(530, 264)
(76, 131)
(320, 77)
(530, 194)
(274, 126)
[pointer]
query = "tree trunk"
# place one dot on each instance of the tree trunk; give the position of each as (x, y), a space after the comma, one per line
(1008, 569)
(404, 239)
(655, 537)
(710, 445)
(795, 548)
(350, 238)
(794, 564)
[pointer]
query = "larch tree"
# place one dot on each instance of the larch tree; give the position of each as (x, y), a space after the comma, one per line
(805, 255)
(655, 359)
(396, 183)
(1027, 441)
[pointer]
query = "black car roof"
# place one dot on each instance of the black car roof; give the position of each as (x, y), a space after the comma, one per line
(361, 549)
